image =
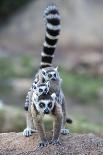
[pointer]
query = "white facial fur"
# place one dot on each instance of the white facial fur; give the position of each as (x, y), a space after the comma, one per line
(43, 104)
(50, 75)
(43, 89)
(39, 89)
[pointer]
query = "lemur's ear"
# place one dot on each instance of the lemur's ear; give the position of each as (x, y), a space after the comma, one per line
(43, 72)
(53, 96)
(56, 68)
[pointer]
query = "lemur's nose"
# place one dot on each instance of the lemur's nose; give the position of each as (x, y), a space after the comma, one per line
(46, 111)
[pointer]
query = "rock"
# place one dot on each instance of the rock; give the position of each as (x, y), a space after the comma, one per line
(74, 144)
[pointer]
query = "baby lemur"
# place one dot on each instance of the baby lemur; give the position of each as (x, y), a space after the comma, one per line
(46, 96)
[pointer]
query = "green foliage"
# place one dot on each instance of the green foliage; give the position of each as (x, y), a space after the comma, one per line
(79, 125)
(6, 68)
(81, 87)
(1, 117)
(16, 67)
(82, 125)
(19, 121)
(12, 119)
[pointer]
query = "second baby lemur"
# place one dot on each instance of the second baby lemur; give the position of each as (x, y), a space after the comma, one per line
(46, 96)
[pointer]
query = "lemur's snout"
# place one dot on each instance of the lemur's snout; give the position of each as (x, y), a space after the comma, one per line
(46, 111)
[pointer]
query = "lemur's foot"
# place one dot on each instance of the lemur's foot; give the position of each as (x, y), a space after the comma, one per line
(43, 143)
(64, 131)
(27, 132)
(55, 142)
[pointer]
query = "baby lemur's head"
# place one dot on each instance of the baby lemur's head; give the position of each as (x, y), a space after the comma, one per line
(44, 104)
(40, 89)
(50, 73)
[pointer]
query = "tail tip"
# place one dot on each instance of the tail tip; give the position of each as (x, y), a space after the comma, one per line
(49, 8)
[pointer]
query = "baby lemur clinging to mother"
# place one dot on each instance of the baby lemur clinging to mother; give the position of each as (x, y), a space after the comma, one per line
(46, 96)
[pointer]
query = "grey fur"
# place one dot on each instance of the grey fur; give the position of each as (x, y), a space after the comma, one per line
(35, 113)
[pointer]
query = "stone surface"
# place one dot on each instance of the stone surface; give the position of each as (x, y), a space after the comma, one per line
(74, 144)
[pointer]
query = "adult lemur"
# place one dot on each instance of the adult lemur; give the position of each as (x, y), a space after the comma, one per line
(46, 96)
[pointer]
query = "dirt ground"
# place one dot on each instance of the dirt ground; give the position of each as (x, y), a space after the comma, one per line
(76, 144)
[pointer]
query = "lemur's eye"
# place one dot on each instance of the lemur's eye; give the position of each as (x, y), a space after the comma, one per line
(54, 74)
(50, 104)
(43, 73)
(33, 87)
(45, 89)
(35, 82)
(40, 90)
(49, 75)
(41, 105)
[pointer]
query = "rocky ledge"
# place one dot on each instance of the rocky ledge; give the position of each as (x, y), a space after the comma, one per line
(73, 144)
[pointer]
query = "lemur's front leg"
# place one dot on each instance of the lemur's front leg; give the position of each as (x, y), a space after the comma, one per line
(58, 116)
(38, 120)
(30, 126)
(64, 131)
(41, 131)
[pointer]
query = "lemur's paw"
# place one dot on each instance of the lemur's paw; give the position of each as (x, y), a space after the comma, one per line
(27, 132)
(43, 143)
(34, 130)
(64, 131)
(55, 142)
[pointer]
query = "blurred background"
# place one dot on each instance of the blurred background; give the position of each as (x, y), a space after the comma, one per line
(79, 55)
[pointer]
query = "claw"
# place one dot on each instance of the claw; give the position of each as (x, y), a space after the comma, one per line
(43, 144)
(55, 142)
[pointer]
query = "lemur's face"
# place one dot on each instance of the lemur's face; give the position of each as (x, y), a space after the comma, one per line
(40, 89)
(46, 105)
(50, 74)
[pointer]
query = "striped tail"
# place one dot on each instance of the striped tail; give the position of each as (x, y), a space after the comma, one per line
(52, 19)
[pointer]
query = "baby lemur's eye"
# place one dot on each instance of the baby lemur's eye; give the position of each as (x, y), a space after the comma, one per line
(40, 90)
(43, 73)
(41, 105)
(33, 87)
(49, 75)
(50, 104)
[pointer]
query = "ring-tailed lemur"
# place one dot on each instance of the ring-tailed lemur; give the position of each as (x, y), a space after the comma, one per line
(34, 92)
(47, 104)
(38, 89)
(48, 73)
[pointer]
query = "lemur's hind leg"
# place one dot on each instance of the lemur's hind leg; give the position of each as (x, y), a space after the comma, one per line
(30, 126)
(64, 131)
